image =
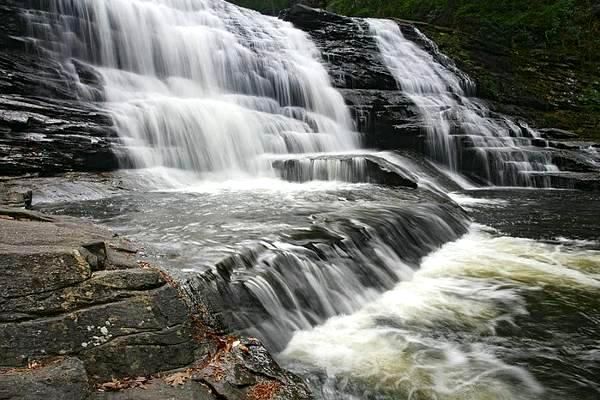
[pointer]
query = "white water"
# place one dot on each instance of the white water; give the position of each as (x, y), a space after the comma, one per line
(501, 150)
(202, 85)
(434, 336)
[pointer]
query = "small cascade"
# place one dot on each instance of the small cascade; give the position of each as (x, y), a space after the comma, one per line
(363, 168)
(335, 266)
(200, 85)
(461, 132)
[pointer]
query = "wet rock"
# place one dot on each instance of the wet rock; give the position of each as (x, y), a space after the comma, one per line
(388, 119)
(349, 51)
(357, 169)
(555, 133)
(44, 127)
(585, 181)
(573, 161)
(63, 379)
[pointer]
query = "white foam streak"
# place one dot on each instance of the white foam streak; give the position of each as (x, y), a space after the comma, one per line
(398, 344)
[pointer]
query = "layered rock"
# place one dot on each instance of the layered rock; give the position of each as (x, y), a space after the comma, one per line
(77, 309)
(44, 128)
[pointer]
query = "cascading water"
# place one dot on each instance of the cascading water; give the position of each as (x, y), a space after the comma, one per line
(203, 86)
(324, 270)
(199, 85)
(460, 131)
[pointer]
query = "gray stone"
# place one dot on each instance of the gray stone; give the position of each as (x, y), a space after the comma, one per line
(63, 295)
(157, 389)
(64, 379)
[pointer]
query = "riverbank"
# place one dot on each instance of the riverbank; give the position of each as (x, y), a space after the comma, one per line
(83, 316)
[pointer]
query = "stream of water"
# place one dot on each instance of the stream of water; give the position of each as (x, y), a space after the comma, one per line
(362, 271)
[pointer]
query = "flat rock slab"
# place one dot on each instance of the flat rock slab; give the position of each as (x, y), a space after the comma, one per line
(64, 379)
(58, 298)
(158, 389)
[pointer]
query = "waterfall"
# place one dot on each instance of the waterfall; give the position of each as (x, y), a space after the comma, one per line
(461, 132)
(200, 85)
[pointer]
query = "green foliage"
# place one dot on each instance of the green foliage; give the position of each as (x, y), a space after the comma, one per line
(563, 24)
(264, 6)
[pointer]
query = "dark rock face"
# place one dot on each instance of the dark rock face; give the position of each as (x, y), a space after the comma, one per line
(44, 129)
(68, 289)
(351, 54)
(387, 118)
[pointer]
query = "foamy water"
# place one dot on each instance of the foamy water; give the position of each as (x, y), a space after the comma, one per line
(432, 336)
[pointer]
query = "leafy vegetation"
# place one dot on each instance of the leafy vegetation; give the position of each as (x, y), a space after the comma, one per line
(271, 7)
(571, 26)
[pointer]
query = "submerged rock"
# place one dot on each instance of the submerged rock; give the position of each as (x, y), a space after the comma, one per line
(355, 169)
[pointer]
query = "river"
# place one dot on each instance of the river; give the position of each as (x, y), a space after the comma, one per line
(373, 275)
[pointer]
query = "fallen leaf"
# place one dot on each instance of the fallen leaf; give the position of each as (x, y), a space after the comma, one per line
(178, 378)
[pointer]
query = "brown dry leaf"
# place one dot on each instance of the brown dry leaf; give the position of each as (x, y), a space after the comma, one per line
(244, 349)
(141, 382)
(178, 378)
(111, 386)
(34, 364)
